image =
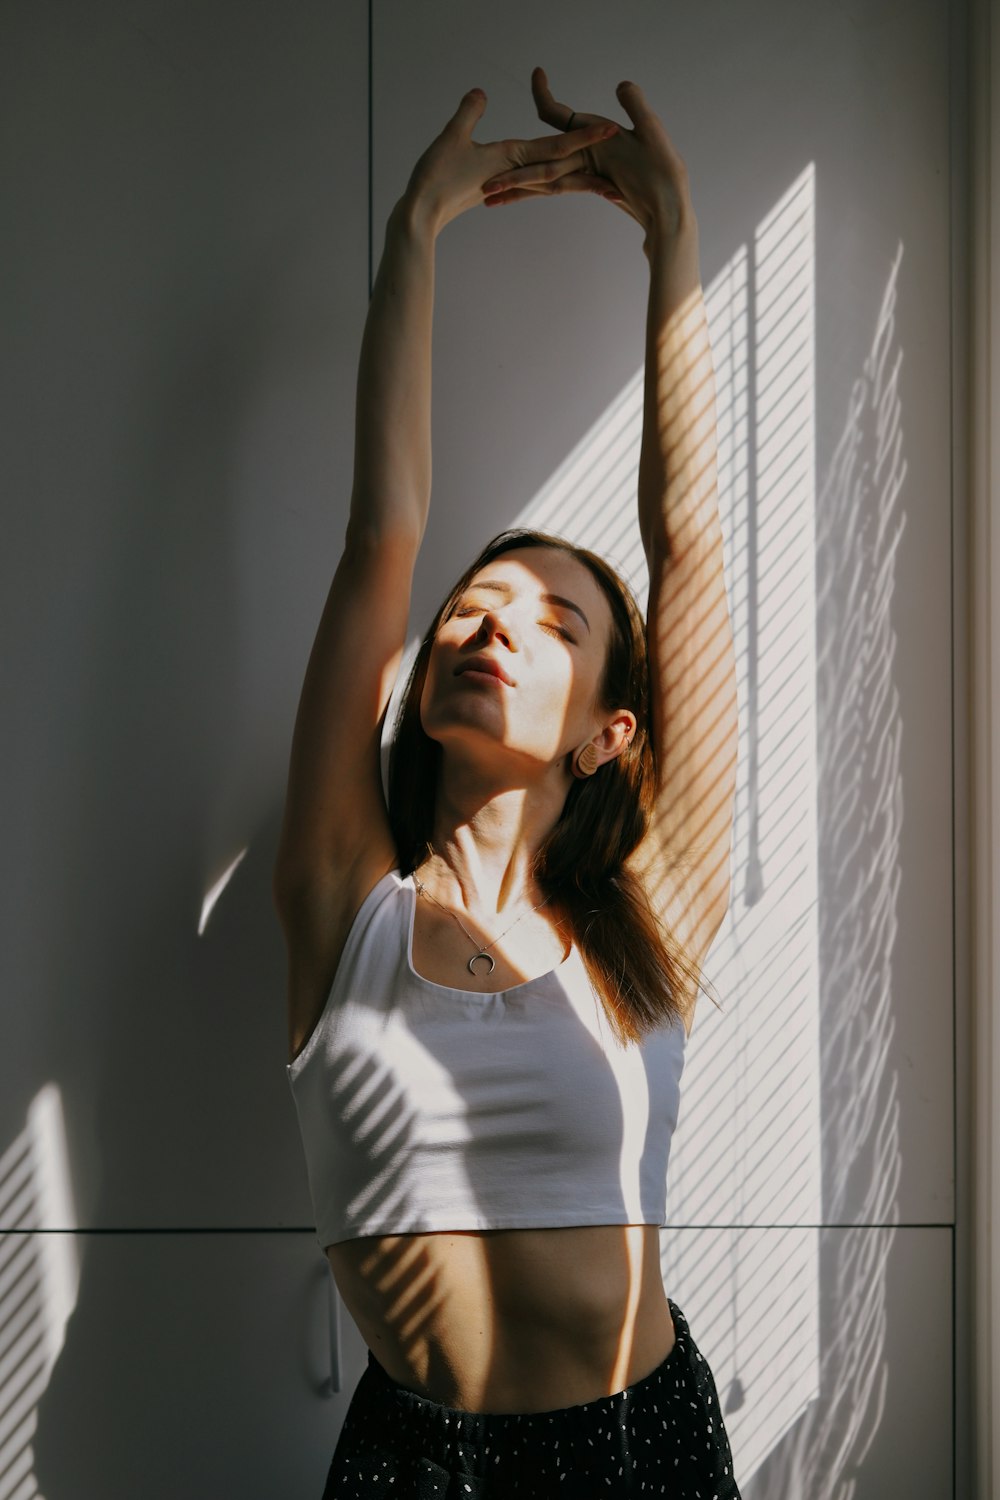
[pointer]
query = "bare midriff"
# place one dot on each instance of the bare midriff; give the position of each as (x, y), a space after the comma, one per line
(510, 1320)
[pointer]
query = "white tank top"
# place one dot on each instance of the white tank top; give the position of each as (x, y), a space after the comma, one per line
(423, 1107)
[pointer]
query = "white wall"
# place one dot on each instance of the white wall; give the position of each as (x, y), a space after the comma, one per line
(183, 302)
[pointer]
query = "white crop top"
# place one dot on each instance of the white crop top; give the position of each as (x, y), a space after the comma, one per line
(423, 1107)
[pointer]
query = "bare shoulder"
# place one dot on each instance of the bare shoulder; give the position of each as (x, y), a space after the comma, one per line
(316, 917)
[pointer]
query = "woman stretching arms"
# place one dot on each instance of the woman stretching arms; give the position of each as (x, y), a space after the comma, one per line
(491, 977)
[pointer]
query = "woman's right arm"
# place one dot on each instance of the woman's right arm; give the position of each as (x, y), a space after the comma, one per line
(335, 815)
(335, 839)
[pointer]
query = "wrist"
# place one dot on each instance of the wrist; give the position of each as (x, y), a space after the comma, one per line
(416, 216)
(673, 243)
(670, 234)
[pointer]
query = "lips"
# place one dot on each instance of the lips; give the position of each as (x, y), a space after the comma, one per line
(484, 664)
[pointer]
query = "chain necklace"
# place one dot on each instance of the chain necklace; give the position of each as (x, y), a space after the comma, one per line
(480, 951)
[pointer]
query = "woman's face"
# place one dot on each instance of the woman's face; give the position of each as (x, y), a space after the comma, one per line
(516, 667)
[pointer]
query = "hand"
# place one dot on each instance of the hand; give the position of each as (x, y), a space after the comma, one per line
(450, 174)
(639, 170)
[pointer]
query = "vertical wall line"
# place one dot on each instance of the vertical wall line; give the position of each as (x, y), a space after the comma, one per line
(954, 1362)
(960, 701)
(984, 461)
(371, 154)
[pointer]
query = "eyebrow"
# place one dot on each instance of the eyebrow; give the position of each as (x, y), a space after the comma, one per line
(498, 587)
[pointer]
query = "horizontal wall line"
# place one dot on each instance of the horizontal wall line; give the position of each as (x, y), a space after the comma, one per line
(309, 1229)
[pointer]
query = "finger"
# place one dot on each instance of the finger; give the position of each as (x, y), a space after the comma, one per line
(538, 174)
(552, 113)
(579, 180)
(570, 182)
(633, 102)
(647, 122)
(557, 115)
(570, 143)
(469, 112)
(514, 195)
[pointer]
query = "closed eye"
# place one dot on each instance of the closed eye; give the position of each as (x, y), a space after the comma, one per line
(463, 610)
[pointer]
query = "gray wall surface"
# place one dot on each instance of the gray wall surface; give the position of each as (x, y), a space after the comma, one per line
(188, 191)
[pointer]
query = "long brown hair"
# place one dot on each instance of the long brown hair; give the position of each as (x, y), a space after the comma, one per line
(633, 963)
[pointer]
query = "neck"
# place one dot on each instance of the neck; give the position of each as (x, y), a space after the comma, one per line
(486, 838)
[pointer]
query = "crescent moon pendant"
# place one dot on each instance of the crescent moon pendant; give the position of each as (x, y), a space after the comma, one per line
(475, 959)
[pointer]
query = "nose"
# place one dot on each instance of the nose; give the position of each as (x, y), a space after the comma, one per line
(494, 626)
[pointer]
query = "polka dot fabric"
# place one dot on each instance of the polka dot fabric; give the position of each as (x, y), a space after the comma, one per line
(663, 1436)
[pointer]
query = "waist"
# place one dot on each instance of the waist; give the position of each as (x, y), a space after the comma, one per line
(510, 1320)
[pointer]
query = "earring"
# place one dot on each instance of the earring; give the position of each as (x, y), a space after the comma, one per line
(586, 762)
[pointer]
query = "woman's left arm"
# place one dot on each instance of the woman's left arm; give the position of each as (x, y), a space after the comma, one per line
(685, 856)
(692, 661)
(693, 707)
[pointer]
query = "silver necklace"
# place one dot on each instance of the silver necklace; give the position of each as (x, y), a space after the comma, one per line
(480, 952)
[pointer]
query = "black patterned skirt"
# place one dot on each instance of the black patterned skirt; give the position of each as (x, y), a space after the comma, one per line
(663, 1436)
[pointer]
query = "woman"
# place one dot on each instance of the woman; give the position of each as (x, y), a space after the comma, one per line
(491, 981)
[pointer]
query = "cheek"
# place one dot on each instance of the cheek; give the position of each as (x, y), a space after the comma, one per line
(557, 699)
(585, 683)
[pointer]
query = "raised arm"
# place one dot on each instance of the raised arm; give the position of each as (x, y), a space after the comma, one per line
(335, 841)
(334, 813)
(685, 856)
(688, 629)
